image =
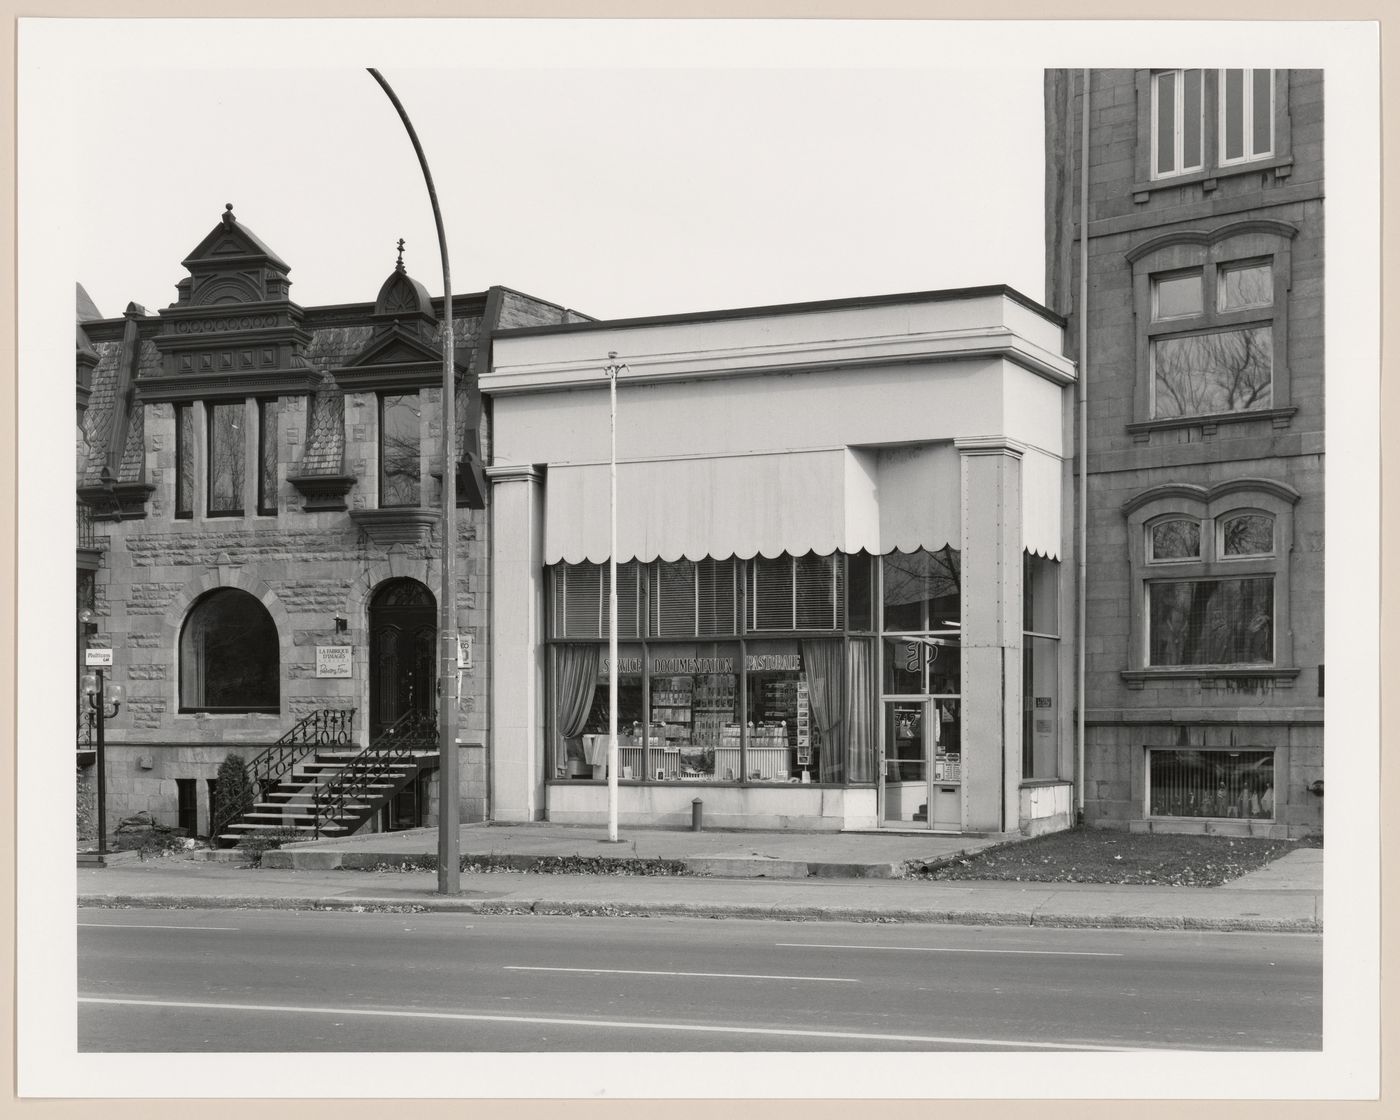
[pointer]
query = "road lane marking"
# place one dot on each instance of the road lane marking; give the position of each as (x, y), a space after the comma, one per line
(925, 949)
(122, 925)
(622, 1024)
(705, 975)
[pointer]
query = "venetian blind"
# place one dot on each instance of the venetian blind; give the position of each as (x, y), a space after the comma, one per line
(716, 597)
(673, 599)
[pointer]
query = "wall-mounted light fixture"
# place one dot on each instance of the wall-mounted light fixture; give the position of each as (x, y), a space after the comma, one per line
(340, 625)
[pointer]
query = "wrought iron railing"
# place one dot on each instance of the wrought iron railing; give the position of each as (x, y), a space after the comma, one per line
(325, 727)
(87, 532)
(381, 760)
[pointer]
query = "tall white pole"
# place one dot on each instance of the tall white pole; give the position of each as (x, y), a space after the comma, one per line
(613, 369)
(449, 801)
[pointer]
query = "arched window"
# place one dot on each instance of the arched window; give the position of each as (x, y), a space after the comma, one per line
(229, 655)
(1211, 580)
(1212, 326)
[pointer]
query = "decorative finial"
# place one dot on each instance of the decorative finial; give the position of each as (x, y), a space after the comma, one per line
(398, 267)
(227, 215)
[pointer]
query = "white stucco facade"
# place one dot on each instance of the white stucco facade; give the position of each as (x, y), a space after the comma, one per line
(853, 427)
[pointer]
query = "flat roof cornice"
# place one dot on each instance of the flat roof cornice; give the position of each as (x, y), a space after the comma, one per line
(938, 296)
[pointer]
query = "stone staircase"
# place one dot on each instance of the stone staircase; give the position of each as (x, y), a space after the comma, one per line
(335, 789)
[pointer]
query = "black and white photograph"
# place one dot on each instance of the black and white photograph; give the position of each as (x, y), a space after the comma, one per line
(698, 558)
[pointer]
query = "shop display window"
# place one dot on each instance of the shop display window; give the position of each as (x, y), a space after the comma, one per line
(1204, 783)
(581, 710)
(782, 738)
(773, 710)
(693, 733)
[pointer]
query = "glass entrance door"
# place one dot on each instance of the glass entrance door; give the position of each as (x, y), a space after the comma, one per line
(906, 771)
(922, 774)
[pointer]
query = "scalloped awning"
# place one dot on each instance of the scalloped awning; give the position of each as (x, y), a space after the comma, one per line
(745, 505)
(847, 499)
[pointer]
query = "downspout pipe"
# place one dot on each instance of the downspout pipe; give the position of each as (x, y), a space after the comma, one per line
(1081, 320)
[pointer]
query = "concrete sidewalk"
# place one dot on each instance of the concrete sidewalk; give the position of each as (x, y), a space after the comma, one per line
(1284, 897)
(732, 854)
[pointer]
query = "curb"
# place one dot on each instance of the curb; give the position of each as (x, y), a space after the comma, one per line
(567, 908)
(726, 867)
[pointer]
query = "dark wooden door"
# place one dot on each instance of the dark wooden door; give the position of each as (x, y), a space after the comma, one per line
(402, 652)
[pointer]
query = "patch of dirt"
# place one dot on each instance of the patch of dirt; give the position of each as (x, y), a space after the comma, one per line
(1090, 855)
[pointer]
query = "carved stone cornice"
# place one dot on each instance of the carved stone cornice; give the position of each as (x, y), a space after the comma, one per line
(323, 492)
(117, 501)
(409, 525)
(228, 386)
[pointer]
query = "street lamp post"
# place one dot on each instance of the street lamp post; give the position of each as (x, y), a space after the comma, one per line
(613, 369)
(449, 824)
(100, 696)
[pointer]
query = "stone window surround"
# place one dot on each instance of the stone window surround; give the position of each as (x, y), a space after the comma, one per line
(1249, 241)
(1210, 506)
(199, 485)
(1212, 171)
(191, 704)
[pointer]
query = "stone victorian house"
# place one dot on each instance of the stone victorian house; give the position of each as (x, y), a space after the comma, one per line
(258, 484)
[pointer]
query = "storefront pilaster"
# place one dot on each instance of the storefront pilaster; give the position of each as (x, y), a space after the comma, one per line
(516, 769)
(991, 632)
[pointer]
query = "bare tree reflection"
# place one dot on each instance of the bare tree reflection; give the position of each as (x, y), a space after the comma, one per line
(1228, 371)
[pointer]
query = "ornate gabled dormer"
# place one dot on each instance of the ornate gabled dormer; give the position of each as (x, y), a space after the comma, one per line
(401, 356)
(402, 353)
(233, 330)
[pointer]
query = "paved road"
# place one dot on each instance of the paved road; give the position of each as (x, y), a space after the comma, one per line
(283, 981)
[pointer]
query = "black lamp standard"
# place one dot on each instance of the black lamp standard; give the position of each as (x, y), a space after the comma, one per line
(449, 797)
(104, 702)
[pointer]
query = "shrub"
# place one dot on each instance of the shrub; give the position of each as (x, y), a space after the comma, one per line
(233, 794)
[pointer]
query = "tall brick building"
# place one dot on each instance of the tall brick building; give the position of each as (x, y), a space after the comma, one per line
(1200, 346)
(259, 483)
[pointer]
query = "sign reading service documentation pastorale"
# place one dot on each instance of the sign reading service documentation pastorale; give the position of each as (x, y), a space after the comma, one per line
(97, 658)
(332, 661)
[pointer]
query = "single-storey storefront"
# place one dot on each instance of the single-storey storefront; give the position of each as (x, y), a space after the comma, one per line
(839, 541)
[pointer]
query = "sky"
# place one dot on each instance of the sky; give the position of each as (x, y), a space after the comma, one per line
(617, 192)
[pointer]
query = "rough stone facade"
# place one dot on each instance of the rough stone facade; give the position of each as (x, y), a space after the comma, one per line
(305, 556)
(1266, 210)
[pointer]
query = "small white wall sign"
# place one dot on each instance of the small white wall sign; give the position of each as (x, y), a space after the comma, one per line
(332, 661)
(97, 658)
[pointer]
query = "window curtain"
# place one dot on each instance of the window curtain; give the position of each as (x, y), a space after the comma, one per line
(576, 680)
(825, 662)
(860, 724)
